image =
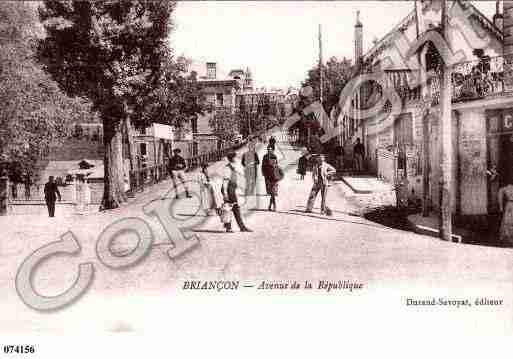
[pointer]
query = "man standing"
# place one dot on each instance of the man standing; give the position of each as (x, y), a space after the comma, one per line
(177, 167)
(320, 174)
(250, 162)
(51, 191)
(272, 143)
(339, 157)
(359, 154)
(231, 176)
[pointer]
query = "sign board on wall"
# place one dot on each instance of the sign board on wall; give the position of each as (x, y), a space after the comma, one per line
(158, 130)
(500, 121)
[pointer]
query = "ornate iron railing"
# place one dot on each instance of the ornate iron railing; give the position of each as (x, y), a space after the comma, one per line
(477, 79)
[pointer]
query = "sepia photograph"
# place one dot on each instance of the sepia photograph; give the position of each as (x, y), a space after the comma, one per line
(270, 171)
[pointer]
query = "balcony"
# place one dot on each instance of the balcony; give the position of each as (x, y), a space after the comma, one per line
(487, 77)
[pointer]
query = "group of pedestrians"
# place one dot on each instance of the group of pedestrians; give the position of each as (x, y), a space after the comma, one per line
(221, 197)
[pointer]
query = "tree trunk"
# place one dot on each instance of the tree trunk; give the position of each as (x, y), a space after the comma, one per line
(131, 148)
(113, 192)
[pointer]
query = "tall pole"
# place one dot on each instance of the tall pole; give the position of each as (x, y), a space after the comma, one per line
(321, 97)
(425, 111)
(445, 220)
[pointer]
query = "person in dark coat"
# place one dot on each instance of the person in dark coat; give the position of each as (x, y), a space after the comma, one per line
(301, 166)
(359, 155)
(339, 157)
(272, 143)
(177, 166)
(51, 193)
(270, 171)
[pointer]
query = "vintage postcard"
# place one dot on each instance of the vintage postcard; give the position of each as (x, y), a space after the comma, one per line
(205, 167)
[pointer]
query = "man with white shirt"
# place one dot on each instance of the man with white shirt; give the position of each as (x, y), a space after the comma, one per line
(321, 172)
(233, 172)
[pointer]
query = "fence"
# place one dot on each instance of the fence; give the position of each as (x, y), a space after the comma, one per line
(18, 193)
(139, 179)
(386, 163)
(477, 79)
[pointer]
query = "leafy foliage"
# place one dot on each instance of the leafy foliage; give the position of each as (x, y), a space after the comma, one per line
(177, 97)
(35, 114)
(224, 123)
(111, 52)
(335, 75)
(107, 51)
(256, 111)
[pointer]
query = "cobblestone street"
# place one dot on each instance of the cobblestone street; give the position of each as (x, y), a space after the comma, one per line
(286, 245)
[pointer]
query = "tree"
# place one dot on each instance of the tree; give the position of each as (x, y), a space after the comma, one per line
(336, 75)
(177, 97)
(35, 113)
(110, 52)
(224, 123)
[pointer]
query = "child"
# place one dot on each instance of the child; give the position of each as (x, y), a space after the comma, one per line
(208, 198)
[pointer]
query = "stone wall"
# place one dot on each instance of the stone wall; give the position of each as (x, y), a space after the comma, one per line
(473, 159)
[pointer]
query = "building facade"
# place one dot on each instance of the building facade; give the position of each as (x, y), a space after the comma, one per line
(403, 139)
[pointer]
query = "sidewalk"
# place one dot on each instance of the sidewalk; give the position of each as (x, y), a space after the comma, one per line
(366, 184)
(429, 226)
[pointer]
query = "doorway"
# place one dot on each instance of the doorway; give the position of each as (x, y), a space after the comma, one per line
(505, 159)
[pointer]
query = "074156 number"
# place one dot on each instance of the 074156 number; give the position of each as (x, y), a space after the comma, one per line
(19, 349)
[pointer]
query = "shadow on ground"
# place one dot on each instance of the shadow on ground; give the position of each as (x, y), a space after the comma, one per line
(481, 234)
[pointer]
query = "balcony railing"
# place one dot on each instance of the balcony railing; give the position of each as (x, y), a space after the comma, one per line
(478, 79)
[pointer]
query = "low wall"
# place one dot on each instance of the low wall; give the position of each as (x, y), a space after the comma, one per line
(68, 192)
(62, 209)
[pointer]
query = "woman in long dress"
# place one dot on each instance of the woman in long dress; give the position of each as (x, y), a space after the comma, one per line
(209, 191)
(270, 171)
(506, 207)
(250, 162)
(80, 195)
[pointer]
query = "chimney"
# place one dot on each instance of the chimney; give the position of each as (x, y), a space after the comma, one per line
(211, 70)
(498, 20)
(358, 39)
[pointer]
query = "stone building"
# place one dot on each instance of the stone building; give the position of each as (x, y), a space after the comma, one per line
(402, 138)
(220, 89)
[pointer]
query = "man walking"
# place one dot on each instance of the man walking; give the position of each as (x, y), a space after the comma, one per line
(177, 168)
(229, 189)
(51, 191)
(320, 174)
(359, 154)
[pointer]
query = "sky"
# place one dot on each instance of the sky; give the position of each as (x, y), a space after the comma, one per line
(278, 40)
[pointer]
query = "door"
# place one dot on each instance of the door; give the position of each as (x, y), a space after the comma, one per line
(506, 159)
